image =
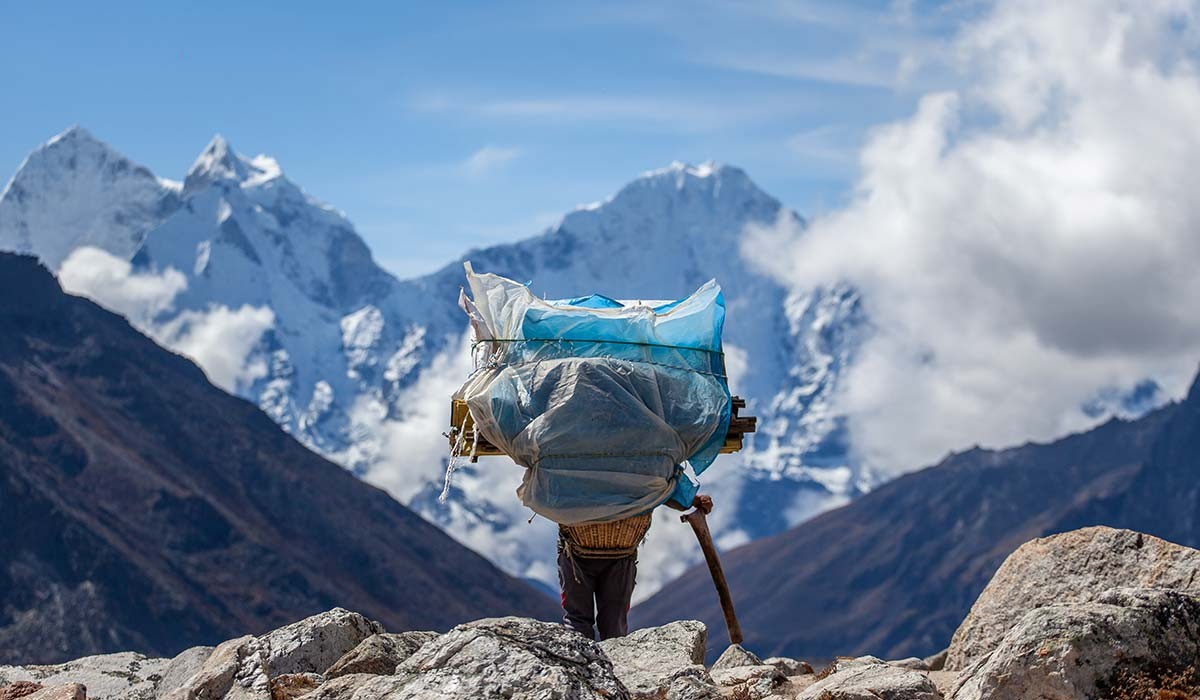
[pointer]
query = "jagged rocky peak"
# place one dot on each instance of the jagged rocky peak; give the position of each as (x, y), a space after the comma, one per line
(76, 190)
(74, 135)
(708, 172)
(74, 138)
(682, 207)
(219, 162)
(709, 184)
(246, 222)
(672, 228)
(216, 161)
(77, 148)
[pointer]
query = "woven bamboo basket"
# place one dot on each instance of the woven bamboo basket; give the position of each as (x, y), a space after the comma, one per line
(626, 533)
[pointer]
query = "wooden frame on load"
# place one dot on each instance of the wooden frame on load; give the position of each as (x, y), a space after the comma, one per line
(460, 419)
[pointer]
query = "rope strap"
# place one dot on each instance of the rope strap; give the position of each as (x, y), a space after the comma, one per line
(587, 340)
(495, 361)
(575, 550)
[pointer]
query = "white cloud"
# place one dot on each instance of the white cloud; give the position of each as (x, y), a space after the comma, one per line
(843, 70)
(488, 160)
(111, 282)
(592, 108)
(1025, 239)
(887, 48)
(698, 113)
(222, 341)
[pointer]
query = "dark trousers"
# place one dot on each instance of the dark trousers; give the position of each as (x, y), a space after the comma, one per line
(597, 592)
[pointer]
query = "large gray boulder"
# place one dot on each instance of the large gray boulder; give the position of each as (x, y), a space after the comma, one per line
(742, 674)
(692, 683)
(379, 654)
(1127, 638)
(313, 644)
(509, 657)
(123, 676)
(234, 671)
(653, 661)
(1068, 568)
(736, 655)
(181, 668)
(869, 678)
(243, 668)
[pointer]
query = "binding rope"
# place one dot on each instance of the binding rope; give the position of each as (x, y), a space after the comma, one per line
(586, 340)
(564, 351)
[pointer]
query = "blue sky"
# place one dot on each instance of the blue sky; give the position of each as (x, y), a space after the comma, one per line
(444, 126)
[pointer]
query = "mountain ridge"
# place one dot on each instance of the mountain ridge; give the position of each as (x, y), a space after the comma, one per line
(146, 509)
(895, 570)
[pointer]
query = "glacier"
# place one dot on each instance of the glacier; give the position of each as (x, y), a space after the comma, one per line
(359, 365)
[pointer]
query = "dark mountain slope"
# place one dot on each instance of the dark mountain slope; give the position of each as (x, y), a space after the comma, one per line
(894, 572)
(1163, 497)
(141, 508)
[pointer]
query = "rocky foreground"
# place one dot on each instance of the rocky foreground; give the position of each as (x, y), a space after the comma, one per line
(1094, 613)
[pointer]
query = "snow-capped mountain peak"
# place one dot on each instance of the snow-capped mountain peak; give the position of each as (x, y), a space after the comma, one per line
(678, 181)
(76, 190)
(681, 169)
(681, 218)
(75, 133)
(219, 162)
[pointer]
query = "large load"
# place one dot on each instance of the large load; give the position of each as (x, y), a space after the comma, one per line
(603, 401)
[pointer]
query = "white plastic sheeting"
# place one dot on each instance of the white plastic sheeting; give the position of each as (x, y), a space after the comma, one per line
(602, 401)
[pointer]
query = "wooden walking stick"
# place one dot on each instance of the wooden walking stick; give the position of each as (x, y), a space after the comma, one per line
(700, 526)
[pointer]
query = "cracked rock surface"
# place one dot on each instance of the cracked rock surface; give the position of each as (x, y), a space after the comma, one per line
(509, 657)
(869, 678)
(379, 654)
(1126, 637)
(1072, 567)
(126, 675)
(657, 661)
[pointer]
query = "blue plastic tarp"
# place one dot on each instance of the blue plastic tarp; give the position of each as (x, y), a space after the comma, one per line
(603, 401)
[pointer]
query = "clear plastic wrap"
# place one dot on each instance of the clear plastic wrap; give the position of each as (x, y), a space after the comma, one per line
(602, 401)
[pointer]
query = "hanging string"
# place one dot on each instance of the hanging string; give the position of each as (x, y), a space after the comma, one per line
(456, 455)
